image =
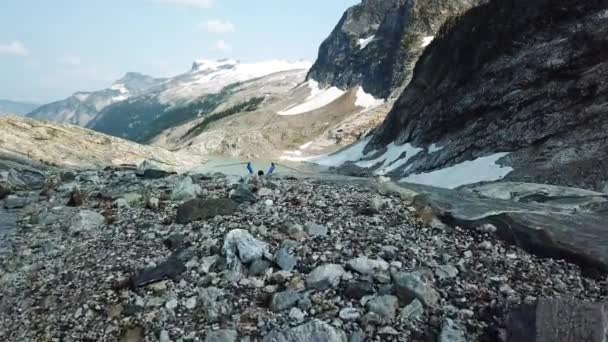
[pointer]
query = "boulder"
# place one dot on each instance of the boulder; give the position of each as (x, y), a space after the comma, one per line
(284, 300)
(325, 276)
(564, 320)
(452, 332)
(410, 286)
(241, 246)
(5, 190)
(367, 266)
(15, 202)
(203, 209)
(223, 335)
(85, 221)
(244, 195)
(285, 260)
(384, 306)
(313, 331)
(151, 170)
(186, 190)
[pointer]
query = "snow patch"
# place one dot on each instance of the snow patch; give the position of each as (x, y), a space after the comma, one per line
(390, 159)
(426, 41)
(317, 99)
(482, 169)
(366, 100)
(82, 96)
(362, 43)
(306, 146)
(351, 153)
(120, 87)
(435, 148)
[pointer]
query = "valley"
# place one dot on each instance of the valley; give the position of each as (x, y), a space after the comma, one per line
(438, 174)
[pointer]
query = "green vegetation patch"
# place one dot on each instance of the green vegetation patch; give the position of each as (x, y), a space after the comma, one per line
(248, 106)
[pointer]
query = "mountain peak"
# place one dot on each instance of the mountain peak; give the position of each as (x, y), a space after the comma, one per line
(208, 64)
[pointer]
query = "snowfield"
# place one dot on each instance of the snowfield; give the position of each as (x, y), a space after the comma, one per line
(209, 77)
(318, 98)
(426, 41)
(482, 169)
(362, 43)
(366, 100)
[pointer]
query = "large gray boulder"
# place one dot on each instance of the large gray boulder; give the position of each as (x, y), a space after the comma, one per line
(203, 209)
(313, 331)
(325, 276)
(85, 221)
(186, 190)
(241, 247)
(561, 320)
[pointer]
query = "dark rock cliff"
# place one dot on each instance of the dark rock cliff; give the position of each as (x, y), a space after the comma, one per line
(377, 43)
(520, 76)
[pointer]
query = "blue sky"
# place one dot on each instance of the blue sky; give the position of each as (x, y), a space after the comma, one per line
(52, 48)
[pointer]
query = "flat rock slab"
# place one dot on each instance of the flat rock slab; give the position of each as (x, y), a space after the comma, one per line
(553, 320)
(201, 209)
(549, 231)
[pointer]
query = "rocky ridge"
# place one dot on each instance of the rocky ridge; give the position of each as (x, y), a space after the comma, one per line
(108, 255)
(376, 43)
(516, 82)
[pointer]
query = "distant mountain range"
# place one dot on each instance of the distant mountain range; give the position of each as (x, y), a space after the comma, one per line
(8, 107)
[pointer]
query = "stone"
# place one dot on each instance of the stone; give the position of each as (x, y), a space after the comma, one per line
(315, 230)
(446, 271)
(284, 300)
(5, 190)
(385, 306)
(388, 331)
(164, 336)
(487, 228)
(203, 209)
(171, 268)
(171, 304)
(121, 203)
(263, 192)
(357, 336)
(325, 276)
(224, 335)
(259, 267)
(357, 289)
(564, 320)
(243, 195)
(152, 203)
(313, 331)
(452, 332)
(15, 202)
(297, 315)
(190, 303)
(76, 199)
(132, 334)
(174, 241)
(85, 221)
(269, 203)
(285, 260)
(207, 263)
(410, 286)
(412, 311)
(367, 266)
(151, 170)
(293, 230)
(240, 245)
(485, 245)
(186, 190)
(349, 314)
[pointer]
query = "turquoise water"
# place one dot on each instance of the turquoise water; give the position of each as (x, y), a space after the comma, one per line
(238, 167)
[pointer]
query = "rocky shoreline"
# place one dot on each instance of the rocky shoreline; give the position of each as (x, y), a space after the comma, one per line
(110, 256)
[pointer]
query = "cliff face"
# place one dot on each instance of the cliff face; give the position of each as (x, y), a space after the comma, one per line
(377, 43)
(525, 77)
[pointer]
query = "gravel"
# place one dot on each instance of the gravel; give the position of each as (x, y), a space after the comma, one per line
(106, 275)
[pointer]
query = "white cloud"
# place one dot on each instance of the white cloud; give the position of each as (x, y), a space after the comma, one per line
(218, 26)
(221, 46)
(189, 3)
(15, 48)
(71, 60)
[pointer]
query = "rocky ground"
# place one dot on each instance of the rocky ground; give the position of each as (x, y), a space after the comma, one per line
(109, 256)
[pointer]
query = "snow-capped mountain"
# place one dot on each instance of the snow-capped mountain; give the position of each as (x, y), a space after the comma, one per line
(8, 107)
(183, 98)
(82, 107)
